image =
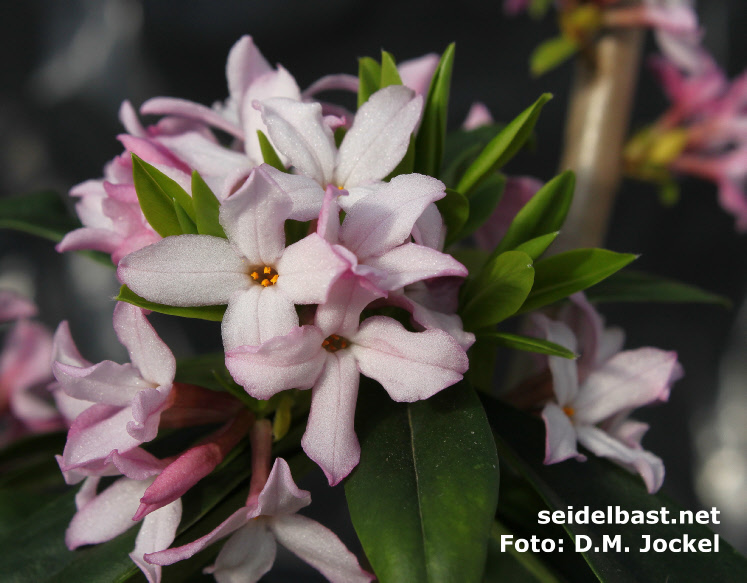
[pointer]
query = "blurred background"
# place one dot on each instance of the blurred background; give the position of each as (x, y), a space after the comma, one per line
(67, 66)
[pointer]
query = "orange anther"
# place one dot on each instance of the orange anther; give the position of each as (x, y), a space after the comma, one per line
(570, 411)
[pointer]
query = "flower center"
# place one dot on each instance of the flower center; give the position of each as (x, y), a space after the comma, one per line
(264, 276)
(570, 411)
(333, 343)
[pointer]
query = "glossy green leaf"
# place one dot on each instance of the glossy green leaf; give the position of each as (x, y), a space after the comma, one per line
(564, 274)
(636, 286)
(482, 358)
(483, 202)
(527, 344)
(389, 73)
(462, 148)
(43, 214)
(514, 566)
(472, 259)
(156, 193)
(537, 246)
(600, 484)
(429, 144)
(269, 155)
(454, 209)
(503, 147)
(214, 313)
(550, 54)
(205, 370)
(186, 224)
(207, 208)
(423, 497)
(544, 213)
(498, 291)
(369, 78)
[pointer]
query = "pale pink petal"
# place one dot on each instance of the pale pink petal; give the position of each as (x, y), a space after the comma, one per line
(285, 362)
(308, 269)
(410, 365)
(298, 132)
(106, 516)
(206, 156)
(564, 371)
(330, 438)
(254, 218)
(190, 110)
(417, 73)
(170, 556)
(87, 492)
(129, 119)
(478, 115)
(342, 311)
(320, 548)
(280, 494)
(256, 315)
(649, 466)
(629, 431)
(68, 407)
(328, 223)
(278, 83)
(146, 413)
(137, 463)
(106, 382)
(245, 64)
(380, 136)
(156, 534)
(134, 242)
(628, 380)
(304, 192)
(147, 351)
(340, 82)
(385, 218)
(410, 262)
(429, 229)
(14, 306)
(186, 270)
(152, 152)
(25, 360)
(560, 436)
(89, 238)
(64, 350)
(246, 556)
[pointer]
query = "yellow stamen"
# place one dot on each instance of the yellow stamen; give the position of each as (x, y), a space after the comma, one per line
(264, 275)
(570, 411)
(333, 343)
(274, 278)
(254, 275)
(266, 282)
(267, 270)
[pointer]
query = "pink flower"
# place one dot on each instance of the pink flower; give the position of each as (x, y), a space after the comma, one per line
(127, 399)
(270, 518)
(253, 272)
(329, 356)
(595, 395)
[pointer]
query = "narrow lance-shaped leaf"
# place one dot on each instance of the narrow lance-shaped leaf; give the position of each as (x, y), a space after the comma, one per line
(156, 193)
(550, 54)
(186, 224)
(269, 155)
(564, 274)
(544, 213)
(454, 209)
(369, 78)
(423, 497)
(527, 344)
(429, 144)
(207, 208)
(483, 202)
(503, 147)
(537, 246)
(389, 73)
(498, 291)
(213, 313)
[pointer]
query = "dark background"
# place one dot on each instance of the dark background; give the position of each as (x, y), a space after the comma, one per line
(67, 65)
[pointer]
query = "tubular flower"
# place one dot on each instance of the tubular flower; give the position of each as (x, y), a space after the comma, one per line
(253, 272)
(270, 518)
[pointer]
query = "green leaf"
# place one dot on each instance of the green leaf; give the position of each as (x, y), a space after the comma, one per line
(537, 246)
(538, 8)
(369, 78)
(512, 565)
(498, 291)
(564, 274)
(156, 193)
(550, 54)
(636, 286)
(544, 213)
(269, 155)
(483, 202)
(186, 224)
(43, 214)
(599, 484)
(423, 497)
(389, 73)
(214, 313)
(503, 147)
(454, 209)
(207, 208)
(482, 358)
(527, 344)
(472, 259)
(204, 370)
(429, 144)
(462, 148)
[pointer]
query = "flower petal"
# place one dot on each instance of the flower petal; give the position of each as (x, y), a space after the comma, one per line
(342, 311)
(186, 270)
(379, 137)
(410, 365)
(560, 435)
(246, 556)
(564, 371)
(308, 269)
(330, 438)
(245, 64)
(183, 108)
(106, 382)
(156, 534)
(14, 306)
(280, 494)
(257, 315)
(384, 219)
(320, 548)
(410, 262)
